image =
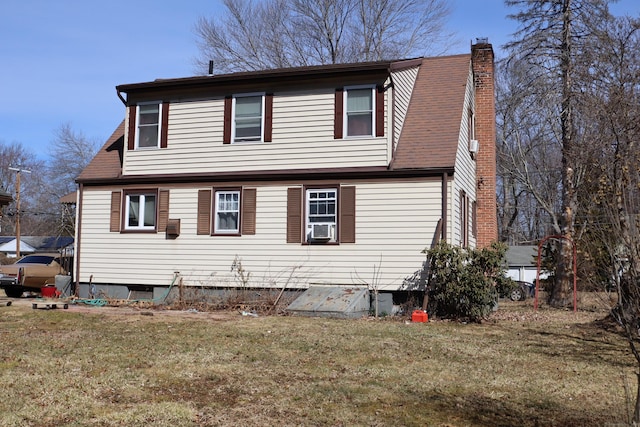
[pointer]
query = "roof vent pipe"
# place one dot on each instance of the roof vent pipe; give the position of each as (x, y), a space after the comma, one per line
(211, 67)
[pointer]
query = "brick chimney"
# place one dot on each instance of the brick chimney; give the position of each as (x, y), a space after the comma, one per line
(482, 63)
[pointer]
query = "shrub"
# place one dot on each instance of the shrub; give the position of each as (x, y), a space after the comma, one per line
(464, 283)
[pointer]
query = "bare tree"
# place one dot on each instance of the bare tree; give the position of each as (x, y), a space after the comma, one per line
(551, 41)
(612, 98)
(70, 152)
(528, 155)
(16, 156)
(255, 35)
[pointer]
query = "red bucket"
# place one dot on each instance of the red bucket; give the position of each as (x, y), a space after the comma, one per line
(48, 291)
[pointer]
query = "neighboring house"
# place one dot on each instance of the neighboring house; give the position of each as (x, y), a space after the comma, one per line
(336, 174)
(522, 263)
(32, 244)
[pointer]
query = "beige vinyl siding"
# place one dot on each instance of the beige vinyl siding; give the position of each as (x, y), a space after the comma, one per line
(394, 223)
(465, 166)
(302, 138)
(403, 83)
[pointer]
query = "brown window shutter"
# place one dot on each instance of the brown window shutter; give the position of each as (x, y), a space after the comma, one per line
(248, 211)
(347, 215)
(165, 124)
(131, 137)
(204, 212)
(116, 199)
(379, 111)
(338, 112)
(163, 210)
(268, 117)
(226, 135)
(294, 215)
(474, 219)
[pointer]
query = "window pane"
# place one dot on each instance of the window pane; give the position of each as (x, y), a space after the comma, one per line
(148, 120)
(149, 211)
(227, 221)
(359, 100)
(149, 114)
(134, 211)
(227, 211)
(248, 118)
(359, 124)
(148, 136)
(359, 112)
(248, 106)
(322, 207)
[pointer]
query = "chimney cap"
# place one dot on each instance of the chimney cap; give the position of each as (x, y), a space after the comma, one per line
(482, 40)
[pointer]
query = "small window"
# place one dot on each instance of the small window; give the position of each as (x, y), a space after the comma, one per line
(359, 114)
(140, 211)
(148, 135)
(248, 118)
(321, 215)
(227, 212)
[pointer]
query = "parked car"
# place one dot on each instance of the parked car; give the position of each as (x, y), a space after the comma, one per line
(522, 291)
(30, 273)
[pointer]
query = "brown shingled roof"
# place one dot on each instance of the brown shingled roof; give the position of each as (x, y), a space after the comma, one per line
(108, 162)
(429, 137)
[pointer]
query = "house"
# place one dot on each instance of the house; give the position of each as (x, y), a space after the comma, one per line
(522, 263)
(335, 174)
(34, 244)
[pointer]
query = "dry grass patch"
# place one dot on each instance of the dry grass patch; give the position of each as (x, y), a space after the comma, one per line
(519, 368)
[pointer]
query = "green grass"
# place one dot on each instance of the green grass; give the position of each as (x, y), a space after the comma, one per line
(68, 368)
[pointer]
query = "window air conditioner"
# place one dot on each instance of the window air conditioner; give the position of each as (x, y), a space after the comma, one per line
(321, 231)
(473, 146)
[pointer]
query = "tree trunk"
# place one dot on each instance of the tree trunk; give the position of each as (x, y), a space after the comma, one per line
(560, 293)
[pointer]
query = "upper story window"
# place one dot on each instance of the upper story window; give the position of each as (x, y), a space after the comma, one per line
(140, 211)
(359, 111)
(227, 212)
(148, 125)
(248, 118)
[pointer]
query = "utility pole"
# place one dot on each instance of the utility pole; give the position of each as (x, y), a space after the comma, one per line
(18, 172)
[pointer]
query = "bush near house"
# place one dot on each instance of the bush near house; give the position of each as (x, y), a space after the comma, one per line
(465, 283)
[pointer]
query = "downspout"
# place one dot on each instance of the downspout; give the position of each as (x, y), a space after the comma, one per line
(392, 108)
(124, 101)
(445, 203)
(78, 234)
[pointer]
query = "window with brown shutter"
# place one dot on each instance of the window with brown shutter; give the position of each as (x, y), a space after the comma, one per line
(321, 215)
(294, 215)
(204, 212)
(148, 125)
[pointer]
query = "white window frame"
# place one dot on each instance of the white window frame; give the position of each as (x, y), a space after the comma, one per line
(138, 125)
(141, 207)
(234, 140)
(332, 224)
(345, 118)
(217, 211)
